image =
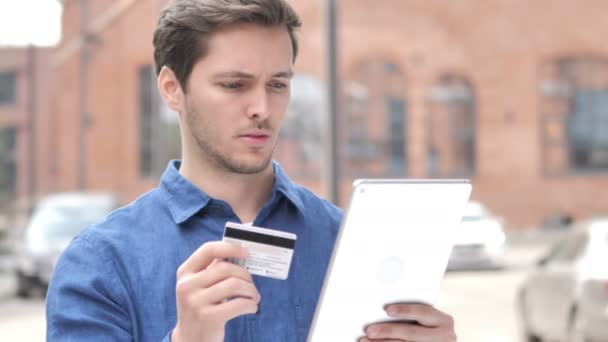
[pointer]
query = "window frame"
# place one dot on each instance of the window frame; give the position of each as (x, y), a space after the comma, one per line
(557, 91)
(13, 77)
(439, 95)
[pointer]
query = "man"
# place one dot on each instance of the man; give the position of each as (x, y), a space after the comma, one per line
(154, 270)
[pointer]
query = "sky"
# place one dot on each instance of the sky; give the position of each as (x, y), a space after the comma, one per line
(24, 22)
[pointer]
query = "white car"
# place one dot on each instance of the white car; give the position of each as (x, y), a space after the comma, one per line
(480, 240)
(56, 219)
(565, 297)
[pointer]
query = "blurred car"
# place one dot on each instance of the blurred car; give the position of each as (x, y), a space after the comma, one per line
(565, 297)
(480, 240)
(56, 219)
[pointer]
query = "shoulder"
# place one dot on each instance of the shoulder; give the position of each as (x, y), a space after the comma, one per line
(105, 251)
(124, 225)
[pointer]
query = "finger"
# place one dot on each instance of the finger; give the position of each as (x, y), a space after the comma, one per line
(403, 332)
(211, 276)
(235, 307)
(207, 253)
(221, 271)
(365, 339)
(227, 290)
(424, 314)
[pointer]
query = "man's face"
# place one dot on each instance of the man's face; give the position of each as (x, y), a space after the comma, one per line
(237, 96)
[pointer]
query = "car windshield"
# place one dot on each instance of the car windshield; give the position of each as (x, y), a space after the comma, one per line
(64, 222)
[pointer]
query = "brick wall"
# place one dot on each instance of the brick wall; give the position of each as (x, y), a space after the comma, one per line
(498, 46)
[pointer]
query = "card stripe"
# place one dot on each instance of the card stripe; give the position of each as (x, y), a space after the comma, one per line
(259, 238)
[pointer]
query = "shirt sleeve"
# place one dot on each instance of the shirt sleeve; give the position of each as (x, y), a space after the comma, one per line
(86, 300)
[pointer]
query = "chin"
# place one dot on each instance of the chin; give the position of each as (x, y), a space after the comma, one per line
(248, 165)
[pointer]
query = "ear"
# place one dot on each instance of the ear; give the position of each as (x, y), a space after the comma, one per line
(170, 89)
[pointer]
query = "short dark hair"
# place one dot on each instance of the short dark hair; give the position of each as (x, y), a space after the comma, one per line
(184, 27)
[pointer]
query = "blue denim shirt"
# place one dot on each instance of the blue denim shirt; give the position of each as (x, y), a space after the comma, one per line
(116, 280)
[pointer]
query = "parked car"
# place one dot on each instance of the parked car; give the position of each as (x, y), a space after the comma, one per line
(565, 296)
(480, 240)
(55, 220)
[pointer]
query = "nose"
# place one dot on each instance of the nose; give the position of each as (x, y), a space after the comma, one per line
(258, 108)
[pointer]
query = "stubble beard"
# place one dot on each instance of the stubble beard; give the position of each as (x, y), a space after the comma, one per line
(219, 158)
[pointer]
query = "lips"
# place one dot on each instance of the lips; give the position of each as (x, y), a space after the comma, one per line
(255, 139)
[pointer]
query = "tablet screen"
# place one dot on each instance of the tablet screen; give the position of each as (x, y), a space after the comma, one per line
(393, 246)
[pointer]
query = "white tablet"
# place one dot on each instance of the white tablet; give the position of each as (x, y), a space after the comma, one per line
(393, 246)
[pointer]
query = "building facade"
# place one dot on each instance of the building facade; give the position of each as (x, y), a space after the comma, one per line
(27, 159)
(512, 94)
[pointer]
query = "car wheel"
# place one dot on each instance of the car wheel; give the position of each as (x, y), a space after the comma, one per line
(576, 327)
(24, 286)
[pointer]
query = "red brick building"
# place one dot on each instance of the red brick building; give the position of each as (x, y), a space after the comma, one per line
(513, 94)
(26, 127)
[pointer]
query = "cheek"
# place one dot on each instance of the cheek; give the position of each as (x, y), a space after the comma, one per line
(213, 107)
(209, 99)
(280, 104)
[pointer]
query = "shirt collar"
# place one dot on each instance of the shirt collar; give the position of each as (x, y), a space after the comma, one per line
(285, 186)
(184, 199)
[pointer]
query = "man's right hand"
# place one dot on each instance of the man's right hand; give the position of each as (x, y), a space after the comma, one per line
(211, 291)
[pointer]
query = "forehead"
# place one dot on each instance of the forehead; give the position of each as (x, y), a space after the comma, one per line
(248, 47)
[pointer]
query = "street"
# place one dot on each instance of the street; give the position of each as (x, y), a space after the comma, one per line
(482, 303)
(22, 320)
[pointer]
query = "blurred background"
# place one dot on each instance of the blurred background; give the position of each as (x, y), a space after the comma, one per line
(512, 94)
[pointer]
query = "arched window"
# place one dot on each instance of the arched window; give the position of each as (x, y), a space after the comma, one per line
(299, 149)
(450, 128)
(574, 115)
(373, 121)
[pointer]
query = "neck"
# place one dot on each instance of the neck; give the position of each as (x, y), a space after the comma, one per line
(245, 193)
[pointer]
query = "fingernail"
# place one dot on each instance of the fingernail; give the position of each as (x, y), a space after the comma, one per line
(392, 311)
(373, 331)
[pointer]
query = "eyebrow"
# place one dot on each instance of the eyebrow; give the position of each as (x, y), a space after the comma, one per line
(244, 75)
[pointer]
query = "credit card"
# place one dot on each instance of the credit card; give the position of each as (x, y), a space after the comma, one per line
(270, 251)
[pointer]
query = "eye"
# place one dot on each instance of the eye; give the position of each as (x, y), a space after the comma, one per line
(278, 85)
(232, 85)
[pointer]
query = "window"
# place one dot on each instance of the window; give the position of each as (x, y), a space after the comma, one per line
(356, 105)
(450, 126)
(8, 162)
(373, 120)
(574, 115)
(146, 107)
(159, 136)
(299, 149)
(396, 135)
(8, 85)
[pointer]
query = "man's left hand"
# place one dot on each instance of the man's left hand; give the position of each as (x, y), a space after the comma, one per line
(433, 325)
